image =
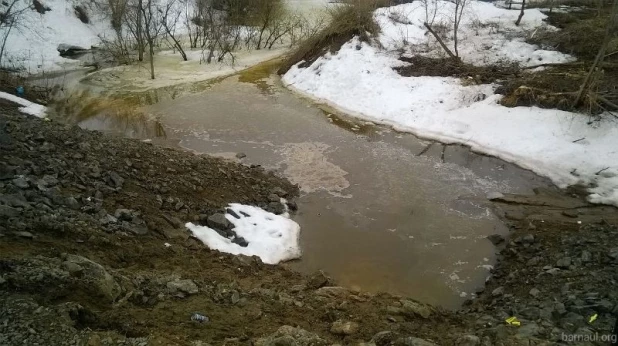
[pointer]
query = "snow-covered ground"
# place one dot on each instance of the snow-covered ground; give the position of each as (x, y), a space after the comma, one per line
(33, 44)
(360, 80)
(273, 238)
(488, 34)
(171, 70)
(27, 107)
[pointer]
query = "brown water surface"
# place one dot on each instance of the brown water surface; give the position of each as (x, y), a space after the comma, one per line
(374, 213)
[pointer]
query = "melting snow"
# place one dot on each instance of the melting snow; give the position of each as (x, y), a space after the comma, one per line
(26, 106)
(360, 80)
(273, 238)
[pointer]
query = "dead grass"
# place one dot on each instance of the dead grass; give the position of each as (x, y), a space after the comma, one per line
(10, 80)
(447, 67)
(554, 87)
(345, 22)
(581, 34)
(557, 87)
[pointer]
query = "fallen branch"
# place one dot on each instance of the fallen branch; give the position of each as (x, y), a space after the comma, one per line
(553, 65)
(606, 101)
(611, 54)
(448, 51)
(602, 170)
(568, 64)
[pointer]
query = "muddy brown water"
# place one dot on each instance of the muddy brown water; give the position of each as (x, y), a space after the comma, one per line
(374, 214)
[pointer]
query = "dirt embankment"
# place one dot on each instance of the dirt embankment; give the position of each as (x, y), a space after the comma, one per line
(85, 219)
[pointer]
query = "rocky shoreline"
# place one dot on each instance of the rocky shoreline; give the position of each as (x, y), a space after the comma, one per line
(93, 251)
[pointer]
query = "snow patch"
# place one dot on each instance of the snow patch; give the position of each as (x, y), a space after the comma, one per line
(360, 81)
(273, 238)
(27, 107)
(34, 44)
(487, 34)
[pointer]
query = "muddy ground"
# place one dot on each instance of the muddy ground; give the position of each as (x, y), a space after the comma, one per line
(85, 219)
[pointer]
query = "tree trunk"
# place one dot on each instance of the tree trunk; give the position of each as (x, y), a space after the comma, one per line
(176, 43)
(140, 39)
(448, 51)
(456, 28)
(600, 55)
(521, 14)
(152, 75)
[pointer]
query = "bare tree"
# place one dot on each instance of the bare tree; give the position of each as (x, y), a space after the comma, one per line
(521, 13)
(268, 13)
(139, 35)
(151, 29)
(191, 20)
(460, 6)
(120, 46)
(171, 15)
(10, 21)
(133, 21)
(431, 10)
(584, 89)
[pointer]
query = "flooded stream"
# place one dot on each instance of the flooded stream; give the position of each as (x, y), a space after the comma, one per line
(379, 210)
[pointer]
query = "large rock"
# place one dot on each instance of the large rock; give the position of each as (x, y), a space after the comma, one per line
(318, 280)
(219, 221)
(383, 338)
(333, 292)
(8, 212)
(412, 341)
(95, 275)
(290, 336)
(67, 50)
(468, 340)
(116, 179)
(344, 327)
(186, 286)
(411, 308)
(528, 330)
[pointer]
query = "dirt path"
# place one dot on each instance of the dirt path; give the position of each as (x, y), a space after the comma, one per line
(84, 220)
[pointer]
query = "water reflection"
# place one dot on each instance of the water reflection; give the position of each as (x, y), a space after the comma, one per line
(116, 115)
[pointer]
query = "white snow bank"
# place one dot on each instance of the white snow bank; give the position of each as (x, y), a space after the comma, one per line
(359, 80)
(487, 34)
(26, 106)
(33, 45)
(273, 238)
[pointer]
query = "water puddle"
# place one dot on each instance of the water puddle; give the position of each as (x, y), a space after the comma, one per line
(380, 210)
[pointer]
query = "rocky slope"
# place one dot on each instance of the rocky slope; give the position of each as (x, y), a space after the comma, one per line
(93, 251)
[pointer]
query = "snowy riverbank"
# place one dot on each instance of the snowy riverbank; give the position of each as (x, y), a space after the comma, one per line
(360, 80)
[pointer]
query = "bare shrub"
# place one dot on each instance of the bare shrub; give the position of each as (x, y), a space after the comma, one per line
(345, 22)
(10, 21)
